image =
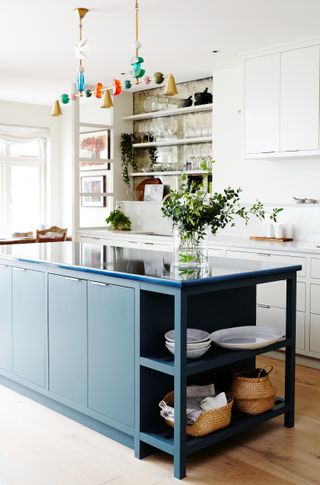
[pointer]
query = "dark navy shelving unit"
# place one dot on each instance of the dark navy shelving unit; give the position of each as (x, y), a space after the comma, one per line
(212, 306)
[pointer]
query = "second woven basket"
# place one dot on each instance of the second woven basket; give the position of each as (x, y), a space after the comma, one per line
(252, 391)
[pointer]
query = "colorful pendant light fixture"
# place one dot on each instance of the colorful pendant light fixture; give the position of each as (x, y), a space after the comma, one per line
(136, 76)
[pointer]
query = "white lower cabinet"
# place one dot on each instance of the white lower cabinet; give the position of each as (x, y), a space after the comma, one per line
(315, 299)
(276, 317)
(315, 333)
(274, 294)
(271, 258)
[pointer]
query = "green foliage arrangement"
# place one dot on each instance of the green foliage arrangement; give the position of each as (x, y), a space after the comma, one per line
(192, 212)
(119, 221)
(127, 156)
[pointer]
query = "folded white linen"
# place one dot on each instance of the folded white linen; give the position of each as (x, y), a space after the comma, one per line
(201, 391)
(214, 402)
(195, 395)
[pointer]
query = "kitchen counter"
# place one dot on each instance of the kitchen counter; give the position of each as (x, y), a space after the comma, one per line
(310, 247)
(82, 331)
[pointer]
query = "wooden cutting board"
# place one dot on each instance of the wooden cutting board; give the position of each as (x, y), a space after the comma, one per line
(271, 239)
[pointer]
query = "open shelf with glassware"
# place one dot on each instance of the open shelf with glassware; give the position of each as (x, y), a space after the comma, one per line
(174, 142)
(168, 173)
(169, 112)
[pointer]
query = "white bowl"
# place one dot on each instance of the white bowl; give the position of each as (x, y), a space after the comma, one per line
(192, 354)
(194, 335)
(192, 346)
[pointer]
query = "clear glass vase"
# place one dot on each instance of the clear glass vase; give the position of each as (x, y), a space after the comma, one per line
(189, 251)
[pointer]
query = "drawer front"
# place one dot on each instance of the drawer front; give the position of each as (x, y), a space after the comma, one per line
(315, 333)
(274, 294)
(276, 317)
(152, 246)
(272, 258)
(315, 268)
(216, 252)
(315, 298)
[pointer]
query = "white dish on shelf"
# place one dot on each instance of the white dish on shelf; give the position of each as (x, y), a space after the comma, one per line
(193, 335)
(248, 337)
(192, 354)
(192, 346)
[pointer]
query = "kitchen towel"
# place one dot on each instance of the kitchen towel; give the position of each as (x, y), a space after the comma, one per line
(195, 395)
(214, 402)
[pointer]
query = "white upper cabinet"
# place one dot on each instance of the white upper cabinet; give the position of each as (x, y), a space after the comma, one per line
(261, 119)
(281, 103)
(299, 106)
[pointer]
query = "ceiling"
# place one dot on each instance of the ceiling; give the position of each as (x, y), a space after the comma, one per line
(37, 61)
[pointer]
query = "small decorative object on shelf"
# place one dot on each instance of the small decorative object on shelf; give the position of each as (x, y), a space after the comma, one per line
(203, 98)
(119, 221)
(193, 212)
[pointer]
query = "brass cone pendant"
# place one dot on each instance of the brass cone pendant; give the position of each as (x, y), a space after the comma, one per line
(107, 100)
(56, 109)
(171, 88)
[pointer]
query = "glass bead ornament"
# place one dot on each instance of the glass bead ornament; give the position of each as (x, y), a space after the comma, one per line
(65, 98)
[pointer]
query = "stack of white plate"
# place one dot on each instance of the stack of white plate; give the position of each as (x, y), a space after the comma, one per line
(198, 342)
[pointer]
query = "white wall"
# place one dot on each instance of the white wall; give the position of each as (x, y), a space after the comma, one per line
(273, 182)
(23, 114)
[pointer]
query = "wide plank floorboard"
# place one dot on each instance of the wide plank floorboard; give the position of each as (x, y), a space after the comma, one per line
(41, 447)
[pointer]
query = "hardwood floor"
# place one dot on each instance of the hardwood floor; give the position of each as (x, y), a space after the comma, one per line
(41, 447)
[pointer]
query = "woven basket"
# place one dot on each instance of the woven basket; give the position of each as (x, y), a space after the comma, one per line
(252, 391)
(208, 421)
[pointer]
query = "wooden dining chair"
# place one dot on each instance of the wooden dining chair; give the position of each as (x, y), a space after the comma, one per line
(50, 234)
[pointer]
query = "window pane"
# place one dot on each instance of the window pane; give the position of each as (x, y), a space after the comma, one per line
(2, 149)
(25, 149)
(25, 198)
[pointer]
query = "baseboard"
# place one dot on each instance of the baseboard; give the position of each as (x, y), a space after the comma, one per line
(300, 359)
(91, 423)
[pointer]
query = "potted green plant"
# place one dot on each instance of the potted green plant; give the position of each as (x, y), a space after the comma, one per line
(127, 155)
(193, 212)
(118, 221)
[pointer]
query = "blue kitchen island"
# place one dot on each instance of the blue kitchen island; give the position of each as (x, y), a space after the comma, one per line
(82, 331)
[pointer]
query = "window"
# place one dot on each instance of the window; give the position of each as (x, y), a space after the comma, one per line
(22, 184)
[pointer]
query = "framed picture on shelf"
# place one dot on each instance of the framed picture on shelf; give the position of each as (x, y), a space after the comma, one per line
(153, 192)
(93, 188)
(87, 165)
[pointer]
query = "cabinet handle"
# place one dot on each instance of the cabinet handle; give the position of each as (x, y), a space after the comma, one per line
(21, 269)
(261, 305)
(149, 243)
(98, 283)
(270, 151)
(71, 278)
(297, 150)
(263, 254)
(133, 242)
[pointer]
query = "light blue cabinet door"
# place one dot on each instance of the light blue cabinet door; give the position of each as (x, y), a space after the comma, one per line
(68, 338)
(111, 351)
(5, 318)
(29, 325)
